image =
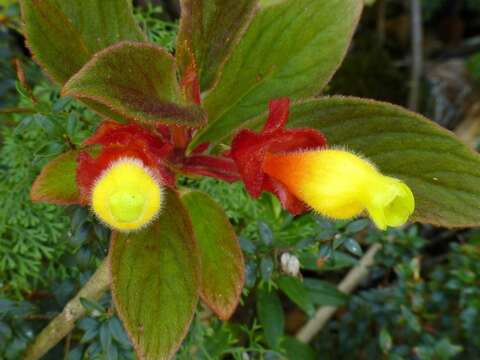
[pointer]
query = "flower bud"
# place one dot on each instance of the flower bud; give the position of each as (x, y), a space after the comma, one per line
(126, 196)
(290, 264)
(341, 185)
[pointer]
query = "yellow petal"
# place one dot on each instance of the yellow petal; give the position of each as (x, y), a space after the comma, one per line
(342, 185)
(127, 196)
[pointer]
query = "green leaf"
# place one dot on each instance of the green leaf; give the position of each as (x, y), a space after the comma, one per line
(137, 81)
(291, 48)
(155, 281)
(297, 292)
(297, 350)
(210, 29)
(270, 314)
(324, 293)
(64, 34)
(442, 172)
(222, 270)
(57, 182)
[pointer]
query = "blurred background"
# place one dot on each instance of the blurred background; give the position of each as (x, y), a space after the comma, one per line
(421, 299)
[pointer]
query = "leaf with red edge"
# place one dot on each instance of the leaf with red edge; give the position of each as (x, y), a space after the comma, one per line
(250, 148)
(155, 281)
(222, 266)
(211, 29)
(64, 34)
(137, 81)
(290, 48)
(57, 184)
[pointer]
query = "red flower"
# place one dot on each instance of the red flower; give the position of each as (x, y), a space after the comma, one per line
(249, 150)
(122, 141)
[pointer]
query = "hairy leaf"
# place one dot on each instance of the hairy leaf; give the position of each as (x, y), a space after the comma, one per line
(137, 81)
(291, 48)
(210, 29)
(222, 267)
(64, 34)
(442, 172)
(155, 281)
(57, 183)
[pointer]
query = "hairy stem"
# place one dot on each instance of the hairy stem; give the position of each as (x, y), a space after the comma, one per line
(63, 323)
(347, 286)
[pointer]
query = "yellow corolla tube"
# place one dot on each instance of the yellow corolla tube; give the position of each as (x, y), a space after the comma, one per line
(341, 185)
(126, 196)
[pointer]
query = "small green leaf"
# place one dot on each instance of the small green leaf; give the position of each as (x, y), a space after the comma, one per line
(91, 305)
(155, 280)
(57, 182)
(266, 268)
(137, 81)
(266, 234)
(353, 246)
(297, 292)
(297, 350)
(270, 314)
(64, 34)
(442, 172)
(279, 55)
(211, 29)
(324, 293)
(222, 267)
(385, 341)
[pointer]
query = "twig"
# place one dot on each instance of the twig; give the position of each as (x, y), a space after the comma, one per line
(417, 54)
(62, 324)
(347, 286)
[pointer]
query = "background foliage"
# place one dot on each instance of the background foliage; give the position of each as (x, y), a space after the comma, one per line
(421, 300)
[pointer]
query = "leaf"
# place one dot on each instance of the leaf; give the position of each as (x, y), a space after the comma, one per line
(270, 314)
(291, 48)
(324, 293)
(353, 247)
(297, 292)
(137, 81)
(155, 281)
(64, 34)
(442, 172)
(211, 29)
(222, 270)
(298, 350)
(57, 182)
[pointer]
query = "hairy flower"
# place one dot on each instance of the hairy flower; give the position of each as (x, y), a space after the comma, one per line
(341, 185)
(122, 180)
(297, 167)
(127, 196)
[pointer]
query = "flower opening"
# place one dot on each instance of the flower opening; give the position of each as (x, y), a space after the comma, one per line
(126, 196)
(342, 185)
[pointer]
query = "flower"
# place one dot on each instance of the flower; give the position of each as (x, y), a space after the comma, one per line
(127, 196)
(297, 167)
(342, 185)
(249, 150)
(122, 181)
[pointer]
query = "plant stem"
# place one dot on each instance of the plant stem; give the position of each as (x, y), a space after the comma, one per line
(63, 323)
(347, 286)
(417, 54)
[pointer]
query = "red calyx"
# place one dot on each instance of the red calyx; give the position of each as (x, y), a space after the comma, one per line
(119, 141)
(250, 148)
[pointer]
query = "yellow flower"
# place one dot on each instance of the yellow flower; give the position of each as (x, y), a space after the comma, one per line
(342, 185)
(126, 196)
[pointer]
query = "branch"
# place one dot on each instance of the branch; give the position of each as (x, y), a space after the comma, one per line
(347, 286)
(417, 54)
(63, 323)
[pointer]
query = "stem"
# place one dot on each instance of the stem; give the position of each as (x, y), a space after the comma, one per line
(347, 286)
(63, 323)
(417, 54)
